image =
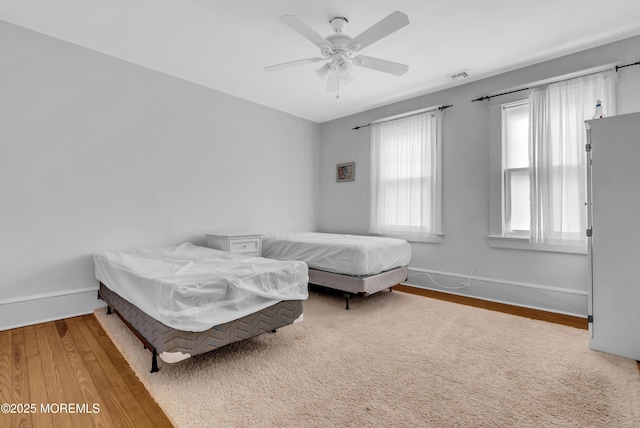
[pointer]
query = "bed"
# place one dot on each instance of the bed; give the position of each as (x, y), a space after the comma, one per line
(186, 300)
(354, 264)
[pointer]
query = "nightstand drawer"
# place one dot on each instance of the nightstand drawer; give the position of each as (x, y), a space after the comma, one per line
(236, 243)
(251, 245)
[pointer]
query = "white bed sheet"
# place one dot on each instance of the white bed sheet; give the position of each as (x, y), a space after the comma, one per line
(194, 288)
(339, 253)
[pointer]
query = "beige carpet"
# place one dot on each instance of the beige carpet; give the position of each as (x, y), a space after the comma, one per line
(395, 360)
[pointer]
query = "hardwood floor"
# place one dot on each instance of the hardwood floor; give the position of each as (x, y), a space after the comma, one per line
(68, 373)
(500, 307)
(73, 363)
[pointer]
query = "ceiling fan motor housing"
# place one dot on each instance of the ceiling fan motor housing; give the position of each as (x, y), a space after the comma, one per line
(340, 41)
(338, 23)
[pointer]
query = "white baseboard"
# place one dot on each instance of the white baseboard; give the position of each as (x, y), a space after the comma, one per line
(534, 296)
(29, 310)
(35, 309)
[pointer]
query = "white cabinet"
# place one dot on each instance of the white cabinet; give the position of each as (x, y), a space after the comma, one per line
(614, 202)
(236, 243)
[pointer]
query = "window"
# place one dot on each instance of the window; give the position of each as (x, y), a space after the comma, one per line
(515, 168)
(406, 177)
(538, 184)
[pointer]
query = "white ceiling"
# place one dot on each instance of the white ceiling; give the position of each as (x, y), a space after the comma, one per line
(224, 45)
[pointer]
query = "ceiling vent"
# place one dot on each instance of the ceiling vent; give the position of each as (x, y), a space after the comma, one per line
(460, 75)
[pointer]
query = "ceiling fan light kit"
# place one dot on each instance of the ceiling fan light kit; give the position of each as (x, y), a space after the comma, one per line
(338, 49)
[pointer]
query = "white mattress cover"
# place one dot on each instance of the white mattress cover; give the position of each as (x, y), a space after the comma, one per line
(194, 288)
(339, 253)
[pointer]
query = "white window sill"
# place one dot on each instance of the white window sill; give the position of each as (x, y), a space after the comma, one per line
(438, 239)
(517, 243)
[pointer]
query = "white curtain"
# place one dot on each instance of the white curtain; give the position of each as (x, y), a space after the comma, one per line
(404, 176)
(557, 155)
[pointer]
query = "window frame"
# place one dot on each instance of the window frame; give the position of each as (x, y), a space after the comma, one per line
(506, 172)
(507, 230)
(438, 236)
(497, 238)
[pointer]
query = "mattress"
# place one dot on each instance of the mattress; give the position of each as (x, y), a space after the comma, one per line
(339, 253)
(194, 288)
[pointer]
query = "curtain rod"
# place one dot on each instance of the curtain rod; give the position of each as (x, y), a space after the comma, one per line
(488, 97)
(441, 108)
(627, 65)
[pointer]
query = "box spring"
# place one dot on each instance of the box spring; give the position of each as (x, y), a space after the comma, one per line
(164, 339)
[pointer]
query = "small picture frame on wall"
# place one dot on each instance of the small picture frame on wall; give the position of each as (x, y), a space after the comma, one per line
(346, 171)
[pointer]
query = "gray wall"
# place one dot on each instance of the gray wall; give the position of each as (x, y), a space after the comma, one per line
(99, 154)
(546, 280)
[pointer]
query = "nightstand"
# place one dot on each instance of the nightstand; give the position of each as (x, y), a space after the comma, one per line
(236, 243)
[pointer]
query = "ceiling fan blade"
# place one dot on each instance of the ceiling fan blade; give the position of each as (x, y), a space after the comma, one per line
(305, 31)
(380, 65)
(290, 64)
(386, 26)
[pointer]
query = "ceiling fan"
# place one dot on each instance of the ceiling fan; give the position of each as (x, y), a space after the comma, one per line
(338, 50)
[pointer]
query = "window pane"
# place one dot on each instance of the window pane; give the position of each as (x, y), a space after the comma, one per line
(518, 217)
(516, 135)
(404, 180)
